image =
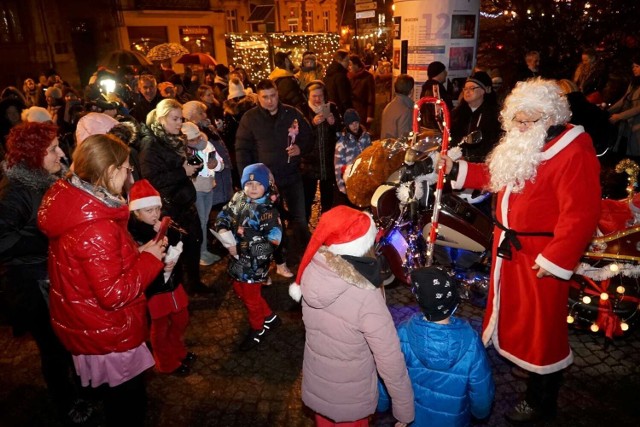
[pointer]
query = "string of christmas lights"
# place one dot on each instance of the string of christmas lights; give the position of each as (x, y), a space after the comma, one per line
(253, 51)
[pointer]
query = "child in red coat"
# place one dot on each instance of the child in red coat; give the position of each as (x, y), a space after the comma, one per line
(167, 299)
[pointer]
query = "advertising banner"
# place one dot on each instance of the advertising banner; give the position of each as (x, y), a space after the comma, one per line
(445, 31)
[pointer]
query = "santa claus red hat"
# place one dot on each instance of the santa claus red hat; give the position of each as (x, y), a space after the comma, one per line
(143, 195)
(344, 231)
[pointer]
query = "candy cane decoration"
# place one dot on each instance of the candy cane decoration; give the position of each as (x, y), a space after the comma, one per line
(433, 233)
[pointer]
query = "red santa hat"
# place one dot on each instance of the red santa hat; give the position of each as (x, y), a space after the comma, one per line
(143, 195)
(344, 231)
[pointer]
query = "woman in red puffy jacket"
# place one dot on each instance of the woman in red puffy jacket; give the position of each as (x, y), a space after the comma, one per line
(98, 276)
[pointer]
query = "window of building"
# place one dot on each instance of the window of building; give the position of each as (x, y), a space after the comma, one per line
(10, 28)
(262, 18)
(197, 39)
(142, 39)
(293, 25)
(232, 21)
(309, 21)
(325, 21)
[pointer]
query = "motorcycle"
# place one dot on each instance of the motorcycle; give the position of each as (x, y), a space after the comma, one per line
(416, 217)
(604, 292)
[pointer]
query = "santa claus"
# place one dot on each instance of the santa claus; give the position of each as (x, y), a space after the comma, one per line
(546, 177)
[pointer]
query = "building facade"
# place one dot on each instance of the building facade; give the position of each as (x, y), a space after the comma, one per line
(71, 36)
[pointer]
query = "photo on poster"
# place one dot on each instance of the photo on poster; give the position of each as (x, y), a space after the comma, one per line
(454, 87)
(463, 26)
(460, 58)
(397, 27)
(396, 59)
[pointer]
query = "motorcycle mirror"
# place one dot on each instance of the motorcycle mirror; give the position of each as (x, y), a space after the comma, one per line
(473, 138)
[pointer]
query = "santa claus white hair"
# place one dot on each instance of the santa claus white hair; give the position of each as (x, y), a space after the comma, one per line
(536, 95)
(515, 160)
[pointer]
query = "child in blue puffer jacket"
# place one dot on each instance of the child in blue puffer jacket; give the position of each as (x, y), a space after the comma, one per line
(447, 362)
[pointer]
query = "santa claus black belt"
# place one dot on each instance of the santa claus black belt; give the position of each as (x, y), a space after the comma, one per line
(511, 239)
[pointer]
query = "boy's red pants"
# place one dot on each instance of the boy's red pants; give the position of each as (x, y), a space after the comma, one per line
(326, 422)
(257, 307)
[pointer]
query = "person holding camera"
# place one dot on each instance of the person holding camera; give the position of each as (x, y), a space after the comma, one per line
(204, 181)
(317, 165)
(164, 162)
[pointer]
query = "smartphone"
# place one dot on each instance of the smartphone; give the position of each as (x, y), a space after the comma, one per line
(326, 110)
(164, 227)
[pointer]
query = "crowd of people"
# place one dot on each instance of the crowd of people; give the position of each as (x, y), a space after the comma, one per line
(107, 197)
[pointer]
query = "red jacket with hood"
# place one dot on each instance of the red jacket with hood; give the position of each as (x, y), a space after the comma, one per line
(97, 275)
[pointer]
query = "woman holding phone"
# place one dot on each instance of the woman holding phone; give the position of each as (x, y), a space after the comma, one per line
(317, 166)
(98, 277)
(168, 164)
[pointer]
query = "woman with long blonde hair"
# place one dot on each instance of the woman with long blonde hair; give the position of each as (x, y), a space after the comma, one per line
(163, 161)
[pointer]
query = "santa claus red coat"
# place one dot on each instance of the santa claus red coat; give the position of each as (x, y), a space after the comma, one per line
(526, 317)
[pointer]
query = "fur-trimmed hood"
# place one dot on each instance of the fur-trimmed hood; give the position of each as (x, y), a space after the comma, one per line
(241, 106)
(37, 180)
(339, 276)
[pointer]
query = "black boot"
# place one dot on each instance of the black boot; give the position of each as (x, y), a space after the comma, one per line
(541, 399)
(524, 413)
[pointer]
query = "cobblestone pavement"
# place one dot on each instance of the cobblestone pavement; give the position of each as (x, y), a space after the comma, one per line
(262, 387)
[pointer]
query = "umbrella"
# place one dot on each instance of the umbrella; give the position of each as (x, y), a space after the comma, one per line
(197, 58)
(122, 58)
(166, 51)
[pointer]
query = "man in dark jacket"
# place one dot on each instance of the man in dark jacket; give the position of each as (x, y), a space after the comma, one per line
(146, 99)
(437, 73)
(531, 67)
(289, 91)
(337, 81)
(277, 134)
(363, 90)
(265, 136)
(478, 111)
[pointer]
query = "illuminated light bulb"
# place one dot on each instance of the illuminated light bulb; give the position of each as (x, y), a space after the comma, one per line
(614, 267)
(624, 326)
(604, 296)
(594, 327)
(439, 206)
(570, 319)
(620, 289)
(586, 300)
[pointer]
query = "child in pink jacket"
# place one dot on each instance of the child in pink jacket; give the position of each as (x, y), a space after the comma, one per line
(350, 336)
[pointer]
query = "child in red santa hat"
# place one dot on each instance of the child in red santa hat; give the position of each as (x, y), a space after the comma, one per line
(167, 299)
(350, 335)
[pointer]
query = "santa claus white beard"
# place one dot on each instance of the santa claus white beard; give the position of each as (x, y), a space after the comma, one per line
(515, 160)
